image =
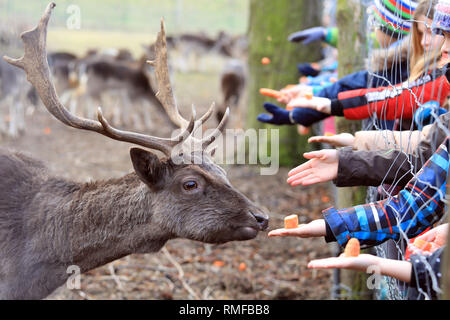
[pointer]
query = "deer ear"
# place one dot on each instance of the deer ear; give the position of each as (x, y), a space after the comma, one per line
(148, 167)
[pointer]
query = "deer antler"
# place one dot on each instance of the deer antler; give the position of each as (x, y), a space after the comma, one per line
(166, 96)
(34, 62)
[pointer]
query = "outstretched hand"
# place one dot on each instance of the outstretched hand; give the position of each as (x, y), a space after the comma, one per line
(317, 103)
(338, 140)
(368, 263)
(359, 263)
(322, 167)
(436, 238)
(315, 228)
(277, 115)
(288, 94)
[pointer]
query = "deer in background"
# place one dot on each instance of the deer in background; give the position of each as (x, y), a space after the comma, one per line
(48, 223)
(17, 98)
(232, 83)
(129, 80)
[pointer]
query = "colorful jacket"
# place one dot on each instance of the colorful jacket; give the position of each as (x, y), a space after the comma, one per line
(415, 208)
(393, 166)
(389, 103)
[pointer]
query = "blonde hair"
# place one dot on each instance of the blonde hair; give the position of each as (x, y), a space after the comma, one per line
(419, 60)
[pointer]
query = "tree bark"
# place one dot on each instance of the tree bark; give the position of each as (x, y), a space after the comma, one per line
(351, 55)
(270, 24)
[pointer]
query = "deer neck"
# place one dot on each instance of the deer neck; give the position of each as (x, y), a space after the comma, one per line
(109, 220)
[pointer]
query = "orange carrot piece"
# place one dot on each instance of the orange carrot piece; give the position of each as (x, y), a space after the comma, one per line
(291, 222)
(265, 60)
(352, 248)
(309, 95)
(422, 245)
(218, 263)
(270, 92)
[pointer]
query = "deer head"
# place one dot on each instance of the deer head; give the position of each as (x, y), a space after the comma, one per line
(190, 196)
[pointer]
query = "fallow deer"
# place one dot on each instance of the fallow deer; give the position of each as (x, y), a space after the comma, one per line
(232, 83)
(48, 223)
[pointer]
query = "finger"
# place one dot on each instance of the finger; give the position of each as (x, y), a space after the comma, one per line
(428, 236)
(277, 233)
(270, 107)
(299, 175)
(323, 139)
(316, 139)
(263, 117)
(314, 154)
(300, 168)
(327, 263)
(299, 103)
(312, 180)
(283, 232)
(298, 182)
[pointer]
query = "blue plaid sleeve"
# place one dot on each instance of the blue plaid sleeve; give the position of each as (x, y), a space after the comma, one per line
(418, 206)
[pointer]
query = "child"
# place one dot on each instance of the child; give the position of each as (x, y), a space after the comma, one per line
(421, 41)
(417, 207)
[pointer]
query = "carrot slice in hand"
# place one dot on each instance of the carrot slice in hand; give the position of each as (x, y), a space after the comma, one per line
(291, 222)
(422, 245)
(270, 92)
(352, 248)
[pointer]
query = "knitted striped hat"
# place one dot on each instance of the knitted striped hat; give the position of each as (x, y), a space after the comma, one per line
(394, 16)
(441, 20)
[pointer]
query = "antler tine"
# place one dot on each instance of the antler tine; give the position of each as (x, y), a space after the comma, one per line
(212, 137)
(34, 62)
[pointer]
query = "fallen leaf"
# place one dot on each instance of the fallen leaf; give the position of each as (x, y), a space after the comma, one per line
(218, 263)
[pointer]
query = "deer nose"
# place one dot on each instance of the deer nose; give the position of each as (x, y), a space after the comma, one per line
(262, 220)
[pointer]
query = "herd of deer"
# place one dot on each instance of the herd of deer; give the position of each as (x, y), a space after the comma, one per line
(83, 82)
(48, 223)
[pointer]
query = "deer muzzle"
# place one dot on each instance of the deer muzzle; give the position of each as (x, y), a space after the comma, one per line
(262, 220)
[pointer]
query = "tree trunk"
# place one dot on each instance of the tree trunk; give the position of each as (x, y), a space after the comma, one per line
(445, 266)
(270, 24)
(351, 55)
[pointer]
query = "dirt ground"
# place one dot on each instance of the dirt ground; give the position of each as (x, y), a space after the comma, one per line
(275, 268)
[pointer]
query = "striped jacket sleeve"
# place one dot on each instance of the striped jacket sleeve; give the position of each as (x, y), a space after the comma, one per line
(392, 102)
(418, 206)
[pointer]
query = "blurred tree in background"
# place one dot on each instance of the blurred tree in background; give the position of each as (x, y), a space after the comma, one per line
(269, 26)
(351, 54)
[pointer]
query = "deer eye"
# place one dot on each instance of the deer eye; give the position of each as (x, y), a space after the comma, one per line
(189, 185)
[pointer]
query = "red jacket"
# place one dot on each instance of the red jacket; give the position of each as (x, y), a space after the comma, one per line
(393, 102)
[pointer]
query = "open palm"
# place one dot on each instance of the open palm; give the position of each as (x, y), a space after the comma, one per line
(359, 263)
(322, 167)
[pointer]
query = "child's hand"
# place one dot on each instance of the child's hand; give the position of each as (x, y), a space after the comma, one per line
(316, 103)
(322, 167)
(436, 237)
(359, 263)
(338, 140)
(397, 269)
(315, 228)
(288, 94)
